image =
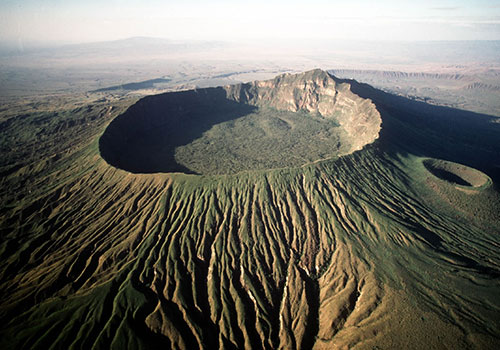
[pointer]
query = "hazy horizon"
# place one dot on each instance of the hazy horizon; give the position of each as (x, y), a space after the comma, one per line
(55, 22)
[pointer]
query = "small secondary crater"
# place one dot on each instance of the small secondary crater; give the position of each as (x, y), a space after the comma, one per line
(289, 121)
(455, 173)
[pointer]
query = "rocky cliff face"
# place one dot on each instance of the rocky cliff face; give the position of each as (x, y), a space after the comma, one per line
(315, 92)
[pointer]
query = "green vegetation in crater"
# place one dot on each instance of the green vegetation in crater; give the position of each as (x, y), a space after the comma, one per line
(266, 139)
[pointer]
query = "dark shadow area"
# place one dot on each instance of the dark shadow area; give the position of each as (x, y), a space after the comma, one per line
(312, 324)
(450, 177)
(144, 138)
(422, 129)
(447, 176)
(146, 84)
(472, 264)
(455, 173)
(437, 244)
(428, 236)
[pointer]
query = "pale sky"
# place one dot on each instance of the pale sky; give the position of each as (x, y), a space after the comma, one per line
(101, 20)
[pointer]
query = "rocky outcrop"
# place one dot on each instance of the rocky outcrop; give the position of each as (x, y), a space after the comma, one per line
(315, 91)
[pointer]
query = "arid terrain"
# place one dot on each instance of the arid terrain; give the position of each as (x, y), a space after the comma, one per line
(201, 209)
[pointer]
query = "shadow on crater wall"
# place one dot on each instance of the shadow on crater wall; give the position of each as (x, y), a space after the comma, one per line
(425, 130)
(455, 173)
(144, 138)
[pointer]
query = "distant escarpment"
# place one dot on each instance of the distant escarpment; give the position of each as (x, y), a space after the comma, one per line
(289, 121)
(398, 74)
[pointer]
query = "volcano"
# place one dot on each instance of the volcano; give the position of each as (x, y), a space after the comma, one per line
(302, 212)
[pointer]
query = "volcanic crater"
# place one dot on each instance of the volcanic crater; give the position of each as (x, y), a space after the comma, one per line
(456, 173)
(289, 121)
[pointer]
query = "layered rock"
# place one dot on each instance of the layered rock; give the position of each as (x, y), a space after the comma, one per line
(318, 92)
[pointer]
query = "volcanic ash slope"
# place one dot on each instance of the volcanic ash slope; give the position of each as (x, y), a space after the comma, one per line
(357, 251)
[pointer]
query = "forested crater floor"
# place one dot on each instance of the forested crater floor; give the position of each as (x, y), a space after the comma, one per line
(383, 235)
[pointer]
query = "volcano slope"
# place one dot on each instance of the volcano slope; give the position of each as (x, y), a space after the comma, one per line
(378, 229)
